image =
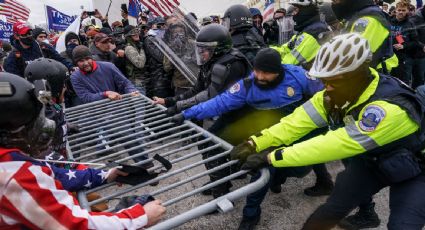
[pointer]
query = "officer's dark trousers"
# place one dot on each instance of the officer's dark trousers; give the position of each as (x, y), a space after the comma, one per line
(253, 201)
(356, 184)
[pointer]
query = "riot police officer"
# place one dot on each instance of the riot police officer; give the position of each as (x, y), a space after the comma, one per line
(245, 36)
(220, 67)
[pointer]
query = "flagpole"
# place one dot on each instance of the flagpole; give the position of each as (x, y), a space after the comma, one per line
(47, 18)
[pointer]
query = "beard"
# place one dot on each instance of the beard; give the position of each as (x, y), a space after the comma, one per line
(267, 85)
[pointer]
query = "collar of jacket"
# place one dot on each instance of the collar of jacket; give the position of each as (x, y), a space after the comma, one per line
(369, 91)
(94, 69)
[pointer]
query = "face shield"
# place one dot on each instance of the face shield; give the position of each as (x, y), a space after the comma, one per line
(42, 91)
(226, 23)
(40, 134)
(286, 29)
(204, 51)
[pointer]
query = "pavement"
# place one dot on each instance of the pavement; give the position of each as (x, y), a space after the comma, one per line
(287, 210)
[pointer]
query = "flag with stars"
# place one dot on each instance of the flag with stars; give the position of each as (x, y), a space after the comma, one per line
(37, 195)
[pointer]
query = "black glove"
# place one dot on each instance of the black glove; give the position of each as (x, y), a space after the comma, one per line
(178, 119)
(73, 128)
(171, 111)
(170, 101)
(256, 161)
(242, 151)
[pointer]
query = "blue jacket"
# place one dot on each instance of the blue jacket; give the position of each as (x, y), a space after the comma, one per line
(105, 77)
(294, 87)
(17, 66)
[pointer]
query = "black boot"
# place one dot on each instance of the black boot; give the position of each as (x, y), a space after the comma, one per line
(208, 192)
(221, 189)
(321, 188)
(366, 217)
(249, 223)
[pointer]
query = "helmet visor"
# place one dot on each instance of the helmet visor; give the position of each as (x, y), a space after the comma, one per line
(204, 51)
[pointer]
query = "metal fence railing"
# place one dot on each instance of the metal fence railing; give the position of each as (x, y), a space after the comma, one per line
(132, 131)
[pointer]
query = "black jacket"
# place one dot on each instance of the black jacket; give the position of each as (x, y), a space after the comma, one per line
(406, 29)
(419, 22)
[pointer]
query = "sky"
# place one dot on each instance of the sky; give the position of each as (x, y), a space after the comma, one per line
(72, 7)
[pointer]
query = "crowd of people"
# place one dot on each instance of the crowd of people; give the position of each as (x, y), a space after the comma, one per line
(318, 82)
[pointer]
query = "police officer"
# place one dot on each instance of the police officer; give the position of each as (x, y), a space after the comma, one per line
(366, 18)
(312, 32)
(271, 92)
(245, 36)
(378, 125)
(220, 67)
(301, 50)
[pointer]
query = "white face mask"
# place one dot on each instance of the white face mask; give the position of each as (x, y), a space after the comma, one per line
(46, 41)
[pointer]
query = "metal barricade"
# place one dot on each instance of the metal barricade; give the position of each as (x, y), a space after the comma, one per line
(134, 128)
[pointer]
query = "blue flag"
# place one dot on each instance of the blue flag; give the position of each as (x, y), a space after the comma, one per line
(6, 30)
(58, 20)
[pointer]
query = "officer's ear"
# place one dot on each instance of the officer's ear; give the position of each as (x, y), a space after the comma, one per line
(218, 73)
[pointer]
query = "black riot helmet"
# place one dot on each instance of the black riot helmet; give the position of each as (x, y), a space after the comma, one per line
(54, 72)
(345, 9)
(237, 16)
(22, 121)
(212, 41)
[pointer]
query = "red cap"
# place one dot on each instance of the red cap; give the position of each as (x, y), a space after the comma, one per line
(21, 28)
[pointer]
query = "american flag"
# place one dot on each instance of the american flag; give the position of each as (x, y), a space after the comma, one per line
(268, 10)
(160, 7)
(14, 11)
(37, 195)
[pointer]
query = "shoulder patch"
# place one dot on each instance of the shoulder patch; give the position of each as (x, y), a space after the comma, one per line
(360, 25)
(372, 116)
(235, 88)
(300, 39)
(290, 91)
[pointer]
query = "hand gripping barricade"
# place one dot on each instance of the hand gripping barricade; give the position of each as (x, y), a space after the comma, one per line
(132, 131)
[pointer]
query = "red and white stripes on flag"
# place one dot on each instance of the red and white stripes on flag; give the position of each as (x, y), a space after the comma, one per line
(269, 10)
(161, 7)
(14, 11)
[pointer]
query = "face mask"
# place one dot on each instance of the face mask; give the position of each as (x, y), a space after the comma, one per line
(46, 41)
(27, 41)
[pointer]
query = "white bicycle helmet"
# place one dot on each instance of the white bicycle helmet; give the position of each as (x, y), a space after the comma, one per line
(302, 2)
(343, 54)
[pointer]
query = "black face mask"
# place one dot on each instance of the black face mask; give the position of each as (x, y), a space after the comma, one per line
(70, 48)
(27, 41)
(271, 84)
(306, 16)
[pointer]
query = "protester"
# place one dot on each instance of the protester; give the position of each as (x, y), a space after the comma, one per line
(136, 58)
(257, 20)
(405, 43)
(419, 56)
(271, 28)
(26, 49)
(47, 188)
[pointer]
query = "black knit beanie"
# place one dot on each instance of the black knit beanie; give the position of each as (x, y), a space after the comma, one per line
(268, 60)
(71, 36)
(38, 31)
